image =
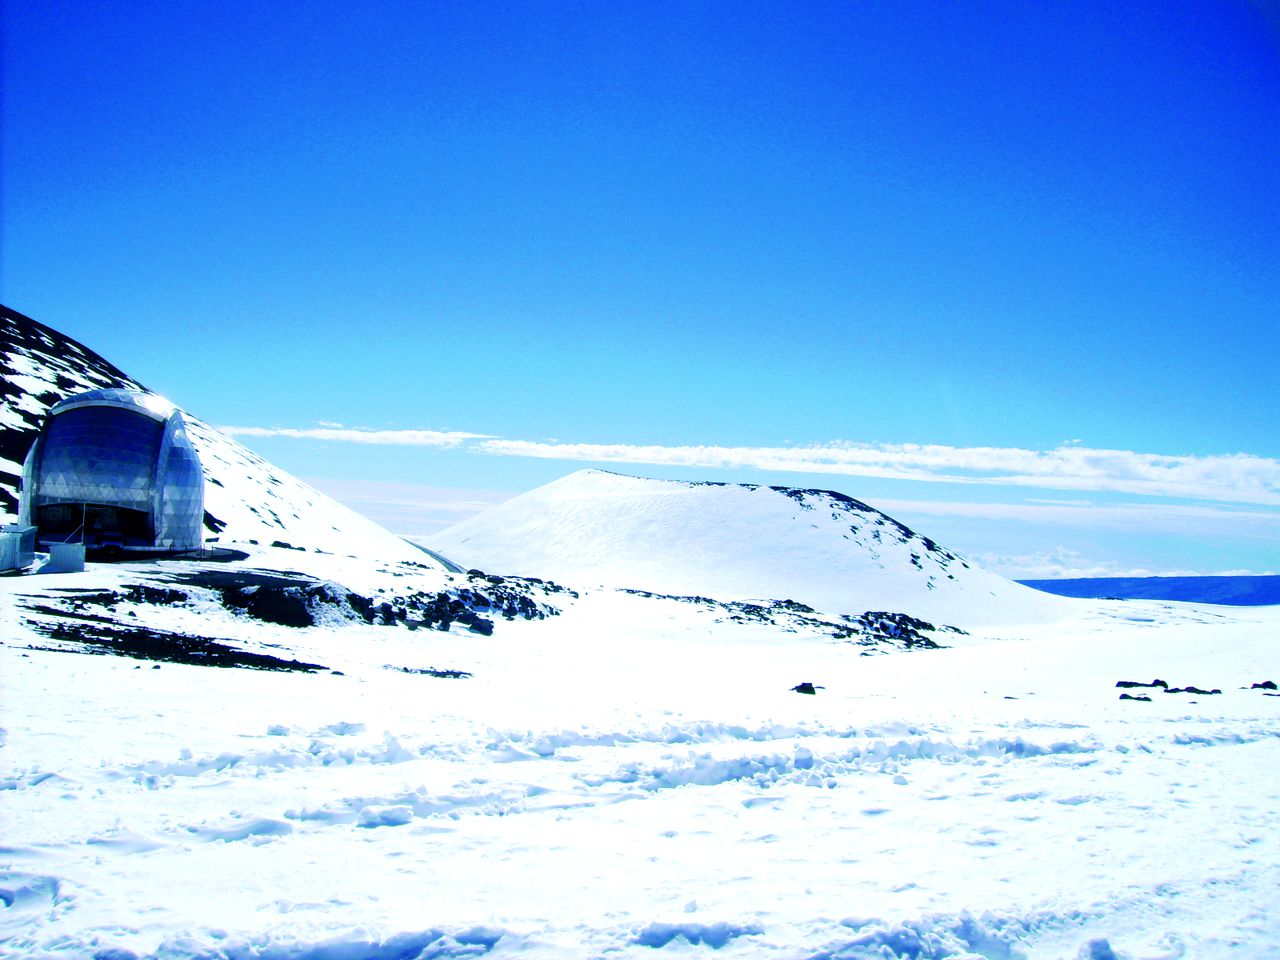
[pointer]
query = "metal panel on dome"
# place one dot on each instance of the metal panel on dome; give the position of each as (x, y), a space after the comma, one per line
(149, 404)
(101, 455)
(115, 469)
(179, 490)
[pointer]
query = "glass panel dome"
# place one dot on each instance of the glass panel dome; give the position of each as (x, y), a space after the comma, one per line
(115, 469)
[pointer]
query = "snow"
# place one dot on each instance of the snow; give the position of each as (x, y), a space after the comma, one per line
(256, 500)
(635, 775)
(735, 541)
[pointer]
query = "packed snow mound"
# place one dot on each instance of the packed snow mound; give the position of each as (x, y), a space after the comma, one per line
(246, 498)
(734, 542)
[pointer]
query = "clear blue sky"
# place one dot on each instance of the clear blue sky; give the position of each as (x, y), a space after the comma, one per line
(766, 227)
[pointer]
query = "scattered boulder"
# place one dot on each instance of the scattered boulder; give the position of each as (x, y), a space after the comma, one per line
(1130, 684)
(1130, 696)
(795, 606)
(433, 672)
(1196, 690)
(1264, 685)
(807, 687)
(900, 629)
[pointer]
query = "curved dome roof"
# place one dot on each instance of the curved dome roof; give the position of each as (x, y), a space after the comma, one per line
(152, 404)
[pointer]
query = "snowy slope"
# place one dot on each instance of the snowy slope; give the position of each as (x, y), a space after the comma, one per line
(624, 778)
(246, 498)
(38, 367)
(732, 541)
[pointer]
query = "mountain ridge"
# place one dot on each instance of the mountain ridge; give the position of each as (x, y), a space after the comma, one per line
(246, 497)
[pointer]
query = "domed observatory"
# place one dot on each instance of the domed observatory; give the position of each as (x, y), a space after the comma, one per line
(114, 470)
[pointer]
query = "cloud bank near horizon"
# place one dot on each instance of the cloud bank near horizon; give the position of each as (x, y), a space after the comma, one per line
(1227, 478)
(336, 433)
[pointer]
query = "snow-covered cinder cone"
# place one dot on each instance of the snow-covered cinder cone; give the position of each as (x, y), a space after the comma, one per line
(736, 542)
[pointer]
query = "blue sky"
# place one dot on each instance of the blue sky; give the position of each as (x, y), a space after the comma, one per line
(932, 255)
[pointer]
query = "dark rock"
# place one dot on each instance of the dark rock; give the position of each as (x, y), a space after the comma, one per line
(1130, 684)
(432, 672)
(1195, 690)
(901, 629)
(1130, 696)
(142, 643)
(1264, 685)
(807, 687)
(793, 606)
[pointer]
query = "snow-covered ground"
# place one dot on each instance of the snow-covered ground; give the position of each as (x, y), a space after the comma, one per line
(631, 776)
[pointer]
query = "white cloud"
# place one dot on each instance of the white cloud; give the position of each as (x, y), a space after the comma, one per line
(1240, 478)
(1064, 564)
(1227, 478)
(1150, 517)
(397, 438)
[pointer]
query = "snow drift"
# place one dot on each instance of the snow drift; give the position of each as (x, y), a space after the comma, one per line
(734, 542)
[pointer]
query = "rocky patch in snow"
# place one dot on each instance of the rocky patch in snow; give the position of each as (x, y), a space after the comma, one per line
(89, 634)
(134, 617)
(434, 672)
(1132, 684)
(875, 631)
(1164, 687)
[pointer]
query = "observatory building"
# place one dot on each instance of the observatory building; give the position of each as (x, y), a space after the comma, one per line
(114, 470)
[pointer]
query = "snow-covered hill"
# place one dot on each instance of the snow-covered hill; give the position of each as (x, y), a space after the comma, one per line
(735, 542)
(246, 498)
